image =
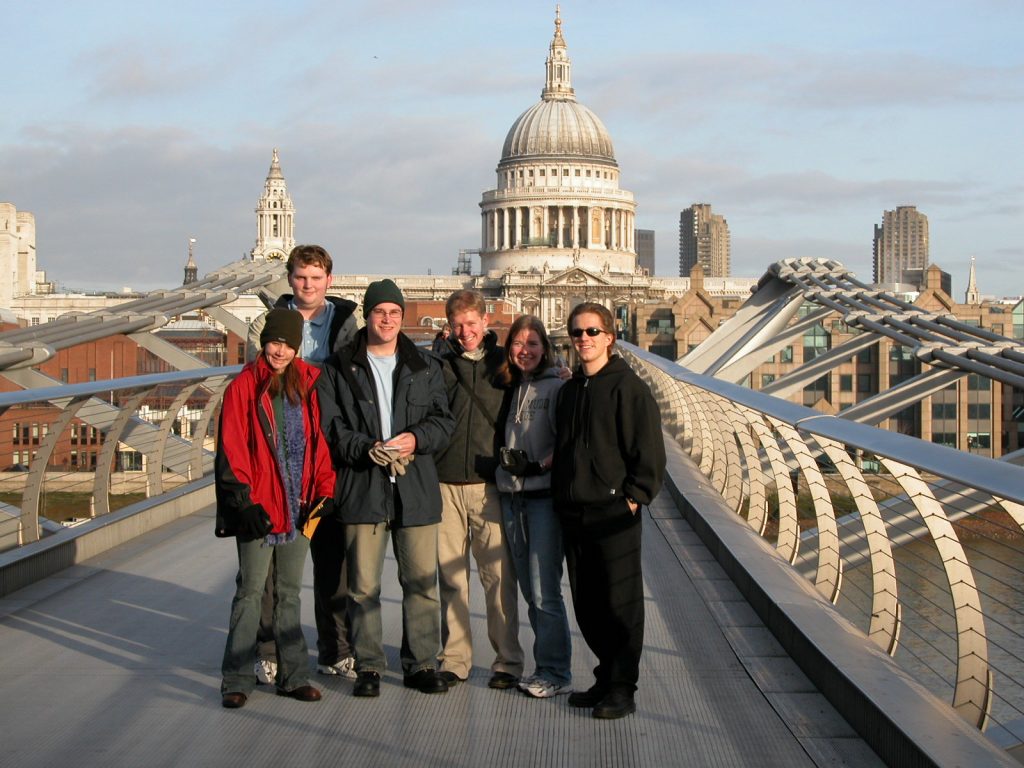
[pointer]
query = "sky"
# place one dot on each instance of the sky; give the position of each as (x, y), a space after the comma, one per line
(130, 127)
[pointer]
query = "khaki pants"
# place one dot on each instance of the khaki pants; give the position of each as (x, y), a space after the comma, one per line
(471, 520)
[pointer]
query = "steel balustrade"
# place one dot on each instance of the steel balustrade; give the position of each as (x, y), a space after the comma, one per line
(742, 439)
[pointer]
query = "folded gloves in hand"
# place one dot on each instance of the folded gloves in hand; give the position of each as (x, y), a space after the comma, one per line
(395, 463)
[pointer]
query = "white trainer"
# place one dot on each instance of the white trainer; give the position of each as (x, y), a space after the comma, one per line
(266, 671)
(524, 682)
(346, 668)
(540, 688)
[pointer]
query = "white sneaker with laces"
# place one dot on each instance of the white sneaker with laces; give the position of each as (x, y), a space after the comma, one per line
(346, 668)
(540, 688)
(526, 681)
(266, 671)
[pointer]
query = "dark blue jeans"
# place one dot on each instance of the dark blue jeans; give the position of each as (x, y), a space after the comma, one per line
(254, 562)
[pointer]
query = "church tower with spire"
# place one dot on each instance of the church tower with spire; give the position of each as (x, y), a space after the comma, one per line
(191, 270)
(275, 217)
(972, 295)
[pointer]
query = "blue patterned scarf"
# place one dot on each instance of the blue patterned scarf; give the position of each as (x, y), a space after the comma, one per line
(291, 457)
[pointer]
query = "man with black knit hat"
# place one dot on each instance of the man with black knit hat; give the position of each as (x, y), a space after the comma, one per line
(385, 414)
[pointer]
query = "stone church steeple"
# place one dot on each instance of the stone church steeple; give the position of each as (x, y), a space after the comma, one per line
(973, 296)
(191, 270)
(275, 217)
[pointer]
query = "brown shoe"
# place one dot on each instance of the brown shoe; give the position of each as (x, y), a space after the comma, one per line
(233, 700)
(302, 693)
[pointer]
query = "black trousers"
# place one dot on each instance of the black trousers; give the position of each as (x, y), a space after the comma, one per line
(330, 592)
(602, 556)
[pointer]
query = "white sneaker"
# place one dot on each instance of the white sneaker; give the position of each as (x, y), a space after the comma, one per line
(346, 668)
(266, 671)
(524, 682)
(540, 688)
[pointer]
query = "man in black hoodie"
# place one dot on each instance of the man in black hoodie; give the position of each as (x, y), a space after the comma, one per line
(609, 461)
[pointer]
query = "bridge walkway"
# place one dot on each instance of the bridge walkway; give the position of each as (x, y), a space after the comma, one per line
(116, 662)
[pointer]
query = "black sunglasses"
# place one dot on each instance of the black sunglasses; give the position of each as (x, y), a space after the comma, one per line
(578, 332)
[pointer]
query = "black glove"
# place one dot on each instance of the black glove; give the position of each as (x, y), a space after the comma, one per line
(322, 507)
(253, 522)
(532, 468)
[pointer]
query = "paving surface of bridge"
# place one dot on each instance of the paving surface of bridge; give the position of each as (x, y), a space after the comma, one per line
(116, 662)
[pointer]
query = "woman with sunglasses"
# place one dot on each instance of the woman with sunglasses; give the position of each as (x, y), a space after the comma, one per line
(532, 529)
(273, 469)
(609, 460)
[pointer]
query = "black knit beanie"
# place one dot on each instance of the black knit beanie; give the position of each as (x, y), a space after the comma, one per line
(283, 325)
(382, 291)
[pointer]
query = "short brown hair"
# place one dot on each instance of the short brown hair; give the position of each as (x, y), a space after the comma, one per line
(593, 308)
(463, 301)
(309, 256)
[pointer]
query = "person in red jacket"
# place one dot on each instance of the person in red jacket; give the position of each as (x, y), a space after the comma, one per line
(273, 470)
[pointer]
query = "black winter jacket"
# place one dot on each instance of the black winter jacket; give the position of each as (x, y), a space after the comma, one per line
(608, 440)
(351, 422)
(472, 454)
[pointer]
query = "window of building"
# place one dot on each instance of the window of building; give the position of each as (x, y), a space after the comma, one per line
(817, 341)
(944, 438)
(864, 356)
(943, 410)
(35, 321)
(979, 441)
(786, 356)
(565, 171)
(63, 375)
(979, 411)
(766, 379)
(846, 382)
(977, 383)
(863, 383)
(578, 172)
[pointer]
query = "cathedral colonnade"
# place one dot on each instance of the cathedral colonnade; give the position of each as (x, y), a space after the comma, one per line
(558, 226)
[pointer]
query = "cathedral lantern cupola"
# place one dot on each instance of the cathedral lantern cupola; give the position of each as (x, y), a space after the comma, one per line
(275, 217)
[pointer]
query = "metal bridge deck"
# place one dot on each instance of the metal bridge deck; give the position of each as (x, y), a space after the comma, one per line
(116, 663)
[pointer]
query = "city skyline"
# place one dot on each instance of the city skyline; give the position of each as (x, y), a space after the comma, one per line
(135, 129)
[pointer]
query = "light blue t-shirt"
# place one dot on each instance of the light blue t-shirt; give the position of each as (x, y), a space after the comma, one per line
(316, 334)
(383, 368)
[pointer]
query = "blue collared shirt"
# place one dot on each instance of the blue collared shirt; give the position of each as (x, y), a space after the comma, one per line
(316, 343)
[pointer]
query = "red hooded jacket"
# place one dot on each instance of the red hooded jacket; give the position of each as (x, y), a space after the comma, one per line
(247, 468)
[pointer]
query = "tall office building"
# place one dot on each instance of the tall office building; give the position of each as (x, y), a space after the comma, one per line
(901, 244)
(703, 239)
(645, 250)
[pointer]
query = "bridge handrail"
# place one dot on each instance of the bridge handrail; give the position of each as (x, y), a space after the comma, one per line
(764, 456)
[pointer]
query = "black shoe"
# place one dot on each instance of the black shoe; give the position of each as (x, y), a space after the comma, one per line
(451, 678)
(426, 681)
(233, 700)
(589, 698)
(502, 680)
(302, 693)
(615, 705)
(367, 684)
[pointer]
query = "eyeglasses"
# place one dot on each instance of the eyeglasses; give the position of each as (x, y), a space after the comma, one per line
(591, 332)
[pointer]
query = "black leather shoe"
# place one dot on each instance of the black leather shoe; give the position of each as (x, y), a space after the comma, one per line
(426, 681)
(615, 705)
(589, 698)
(502, 681)
(451, 678)
(233, 700)
(367, 684)
(302, 693)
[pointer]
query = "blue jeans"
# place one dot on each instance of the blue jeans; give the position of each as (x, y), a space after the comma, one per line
(415, 549)
(534, 536)
(254, 560)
